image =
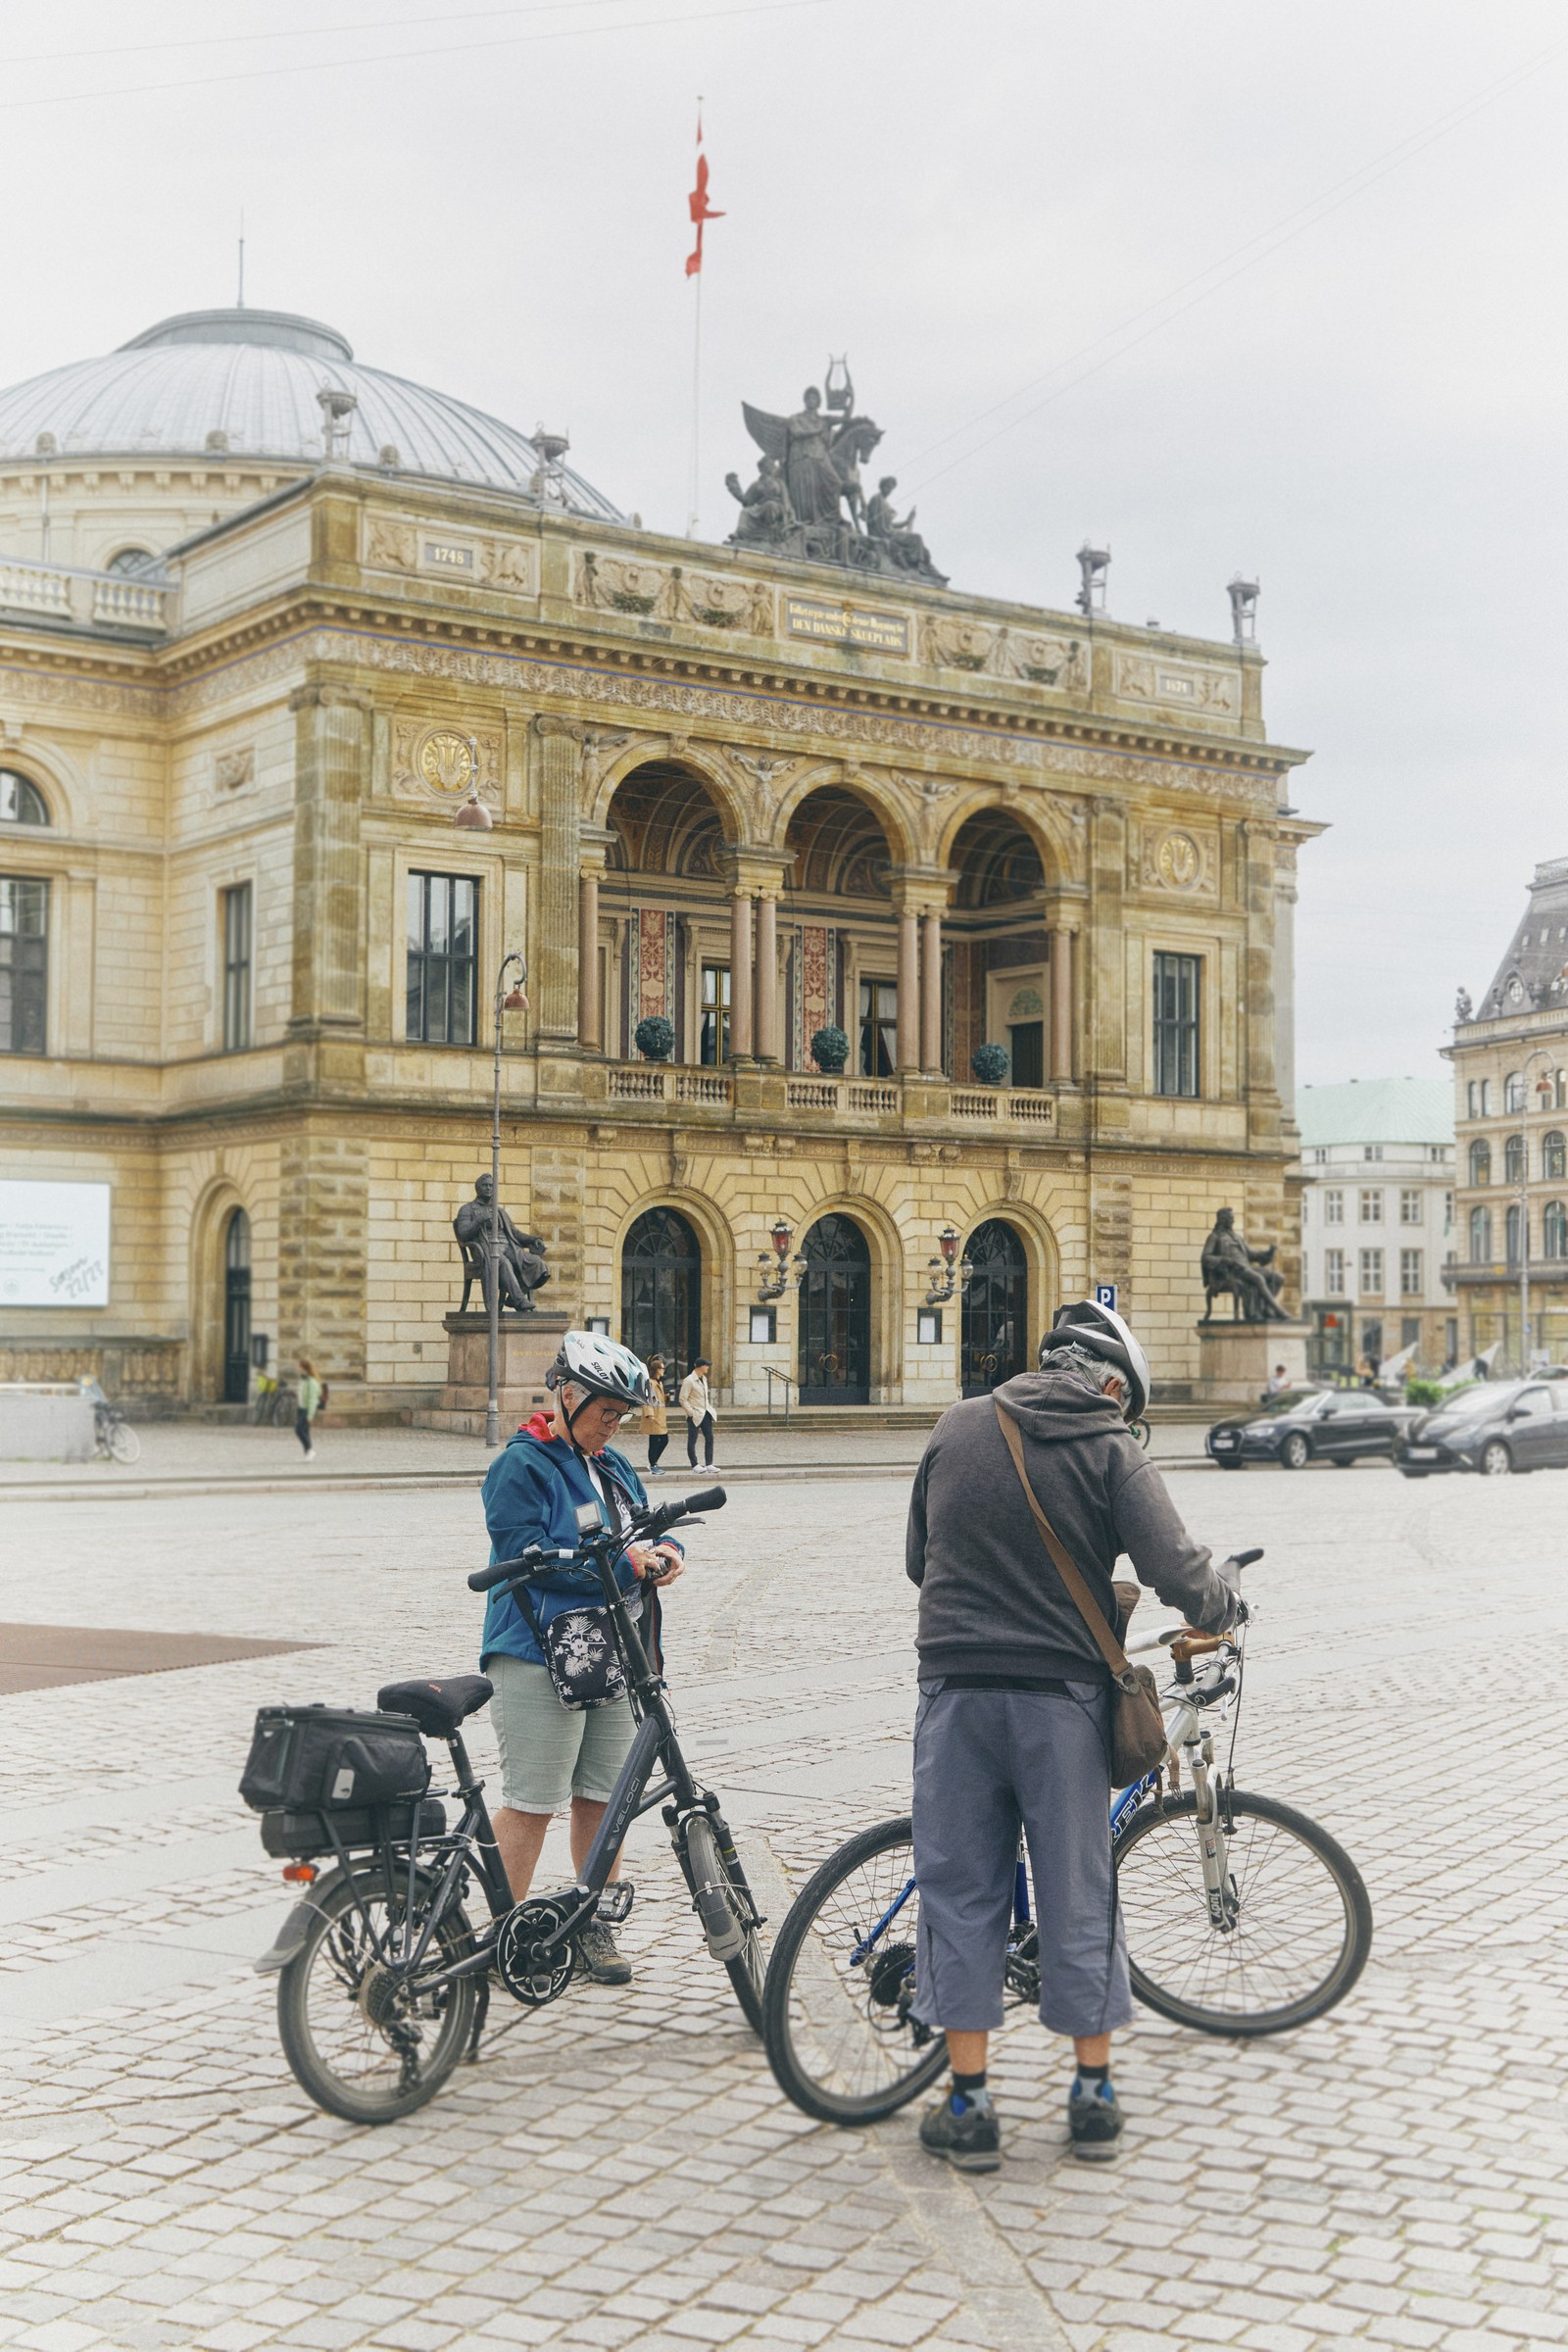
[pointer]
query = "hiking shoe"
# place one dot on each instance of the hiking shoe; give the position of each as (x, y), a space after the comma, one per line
(964, 2130)
(600, 1956)
(1094, 2120)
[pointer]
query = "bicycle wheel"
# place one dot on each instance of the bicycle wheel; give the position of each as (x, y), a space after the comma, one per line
(358, 2043)
(726, 1909)
(1298, 1928)
(836, 2012)
(123, 1442)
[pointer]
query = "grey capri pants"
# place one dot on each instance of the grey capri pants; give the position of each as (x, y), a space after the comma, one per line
(986, 1763)
(549, 1752)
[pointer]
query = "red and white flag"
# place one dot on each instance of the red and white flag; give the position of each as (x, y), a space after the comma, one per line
(701, 209)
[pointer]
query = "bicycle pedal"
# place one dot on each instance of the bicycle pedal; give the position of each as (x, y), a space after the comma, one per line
(615, 1902)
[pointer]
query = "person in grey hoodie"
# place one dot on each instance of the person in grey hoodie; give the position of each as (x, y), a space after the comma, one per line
(1014, 1722)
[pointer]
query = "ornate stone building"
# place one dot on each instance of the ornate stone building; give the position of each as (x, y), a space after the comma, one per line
(269, 619)
(1510, 1078)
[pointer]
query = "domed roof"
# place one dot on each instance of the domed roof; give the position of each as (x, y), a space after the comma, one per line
(245, 383)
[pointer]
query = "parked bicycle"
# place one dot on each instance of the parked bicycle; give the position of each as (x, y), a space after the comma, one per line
(383, 1978)
(1243, 1917)
(277, 1404)
(114, 1439)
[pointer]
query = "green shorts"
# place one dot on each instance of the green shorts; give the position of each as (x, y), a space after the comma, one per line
(549, 1752)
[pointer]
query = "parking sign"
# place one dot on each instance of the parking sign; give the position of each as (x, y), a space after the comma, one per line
(1105, 1295)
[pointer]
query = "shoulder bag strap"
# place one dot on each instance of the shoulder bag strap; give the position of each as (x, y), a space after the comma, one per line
(1106, 1641)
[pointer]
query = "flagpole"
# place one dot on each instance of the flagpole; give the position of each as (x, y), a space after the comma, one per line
(697, 409)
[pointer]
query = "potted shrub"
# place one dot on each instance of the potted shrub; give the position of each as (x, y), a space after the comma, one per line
(654, 1038)
(830, 1050)
(989, 1064)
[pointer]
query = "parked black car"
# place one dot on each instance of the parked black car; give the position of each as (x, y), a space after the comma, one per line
(1498, 1427)
(1305, 1425)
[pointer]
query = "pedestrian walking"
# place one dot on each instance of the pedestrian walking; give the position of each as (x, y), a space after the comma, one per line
(312, 1397)
(654, 1414)
(697, 1402)
(1013, 1725)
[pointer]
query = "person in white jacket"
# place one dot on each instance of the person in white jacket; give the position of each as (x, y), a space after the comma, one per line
(697, 1403)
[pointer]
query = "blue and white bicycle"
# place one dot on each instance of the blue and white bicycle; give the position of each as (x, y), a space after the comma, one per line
(1243, 1917)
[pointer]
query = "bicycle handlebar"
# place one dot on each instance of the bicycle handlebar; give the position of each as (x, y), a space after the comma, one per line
(646, 1526)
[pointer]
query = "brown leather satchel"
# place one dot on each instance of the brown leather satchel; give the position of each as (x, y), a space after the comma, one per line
(1137, 1726)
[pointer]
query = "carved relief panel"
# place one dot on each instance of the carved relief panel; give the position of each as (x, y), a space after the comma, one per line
(396, 543)
(436, 764)
(948, 642)
(1174, 860)
(1177, 685)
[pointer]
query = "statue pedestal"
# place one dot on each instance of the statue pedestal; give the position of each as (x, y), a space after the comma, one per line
(527, 1347)
(1237, 1361)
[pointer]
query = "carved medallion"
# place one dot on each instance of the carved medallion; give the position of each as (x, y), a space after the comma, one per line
(445, 761)
(1180, 860)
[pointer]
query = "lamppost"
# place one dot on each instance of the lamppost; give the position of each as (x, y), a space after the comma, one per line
(1543, 1088)
(773, 1285)
(507, 1000)
(944, 1270)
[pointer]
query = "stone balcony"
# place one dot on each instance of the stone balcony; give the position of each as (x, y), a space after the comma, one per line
(764, 1092)
(88, 600)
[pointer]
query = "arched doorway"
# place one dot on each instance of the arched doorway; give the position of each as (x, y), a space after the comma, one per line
(995, 1339)
(835, 1317)
(661, 1290)
(237, 1308)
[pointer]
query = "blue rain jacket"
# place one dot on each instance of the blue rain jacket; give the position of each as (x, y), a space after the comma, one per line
(531, 1493)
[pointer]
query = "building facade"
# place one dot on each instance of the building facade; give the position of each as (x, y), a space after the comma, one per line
(1510, 1075)
(268, 621)
(1378, 1223)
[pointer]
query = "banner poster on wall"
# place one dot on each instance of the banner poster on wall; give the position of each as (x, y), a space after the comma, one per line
(54, 1245)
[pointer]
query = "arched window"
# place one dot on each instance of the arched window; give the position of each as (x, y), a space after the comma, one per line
(131, 561)
(1554, 1156)
(661, 1290)
(1513, 1091)
(237, 1308)
(1481, 1161)
(835, 1314)
(1481, 1237)
(995, 1307)
(1555, 1229)
(1515, 1230)
(20, 802)
(1513, 1160)
(1486, 1098)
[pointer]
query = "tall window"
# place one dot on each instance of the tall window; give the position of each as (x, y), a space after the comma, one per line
(1409, 1273)
(443, 935)
(1555, 1229)
(236, 914)
(1486, 1098)
(1472, 1099)
(21, 803)
(714, 1038)
(1479, 1161)
(1371, 1208)
(1481, 1237)
(1410, 1205)
(1513, 1091)
(1516, 1235)
(1334, 1206)
(23, 963)
(1176, 1024)
(879, 1028)
(1371, 1151)
(1554, 1156)
(1371, 1273)
(1333, 1273)
(1513, 1160)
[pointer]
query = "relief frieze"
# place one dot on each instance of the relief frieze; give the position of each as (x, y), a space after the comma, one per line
(673, 592)
(397, 543)
(948, 642)
(1177, 685)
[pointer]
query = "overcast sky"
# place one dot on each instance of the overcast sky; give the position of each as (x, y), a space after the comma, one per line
(1369, 416)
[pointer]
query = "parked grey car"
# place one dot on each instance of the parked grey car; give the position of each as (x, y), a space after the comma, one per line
(1499, 1427)
(1306, 1425)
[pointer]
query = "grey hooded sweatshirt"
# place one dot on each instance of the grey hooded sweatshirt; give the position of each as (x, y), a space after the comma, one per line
(990, 1599)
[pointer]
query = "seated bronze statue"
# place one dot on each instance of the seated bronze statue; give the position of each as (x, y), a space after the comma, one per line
(1247, 1274)
(521, 1267)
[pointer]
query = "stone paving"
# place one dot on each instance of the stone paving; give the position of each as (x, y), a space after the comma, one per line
(620, 2169)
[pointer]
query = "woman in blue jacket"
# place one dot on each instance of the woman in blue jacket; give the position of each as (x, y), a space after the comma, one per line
(548, 1752)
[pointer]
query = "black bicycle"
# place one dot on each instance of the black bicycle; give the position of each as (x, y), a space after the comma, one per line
(383, 1978)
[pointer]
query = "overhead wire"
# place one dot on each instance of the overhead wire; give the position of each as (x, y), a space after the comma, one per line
(295, 33)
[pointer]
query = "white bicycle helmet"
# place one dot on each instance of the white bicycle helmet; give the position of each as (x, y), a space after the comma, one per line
(1101, 1331)
(599, 1366)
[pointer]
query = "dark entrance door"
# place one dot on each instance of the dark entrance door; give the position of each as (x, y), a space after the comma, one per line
(237, 1308)
(995, 1307)
(835, 1350)
(661, 1290)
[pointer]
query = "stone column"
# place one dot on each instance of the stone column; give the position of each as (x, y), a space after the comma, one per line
(740, 974)
(331, 779)
(767, 978)
(931, 993)
(908, 987)
(553, 961)
(1284, 980)
(1062, 962)
(589, 1011)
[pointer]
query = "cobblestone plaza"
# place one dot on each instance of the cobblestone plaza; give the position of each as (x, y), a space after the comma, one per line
(620, 2169)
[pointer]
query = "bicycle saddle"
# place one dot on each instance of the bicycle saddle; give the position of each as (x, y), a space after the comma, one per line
(437, 1707)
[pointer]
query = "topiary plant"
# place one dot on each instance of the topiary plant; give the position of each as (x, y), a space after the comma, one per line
(989, 1064)
(654, 1038)
(1423, 1392)
(830, 1050)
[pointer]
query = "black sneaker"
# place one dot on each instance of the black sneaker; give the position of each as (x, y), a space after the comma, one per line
(601, 1955)
(963, 2128)
(1094, 2120)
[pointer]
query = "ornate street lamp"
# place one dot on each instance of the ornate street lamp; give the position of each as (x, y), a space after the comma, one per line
(943, 1269)
(774, 1284)
(1543, 1089)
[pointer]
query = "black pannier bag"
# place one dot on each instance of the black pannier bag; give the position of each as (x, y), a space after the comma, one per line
(304, 1757)
(297, 1836)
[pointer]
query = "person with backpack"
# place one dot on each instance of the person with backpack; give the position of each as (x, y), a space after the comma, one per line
(313, 1394)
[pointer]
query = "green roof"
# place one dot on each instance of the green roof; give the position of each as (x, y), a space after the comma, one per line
(1377, 1110)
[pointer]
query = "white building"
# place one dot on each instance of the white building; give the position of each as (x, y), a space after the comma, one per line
(1377, 1221)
